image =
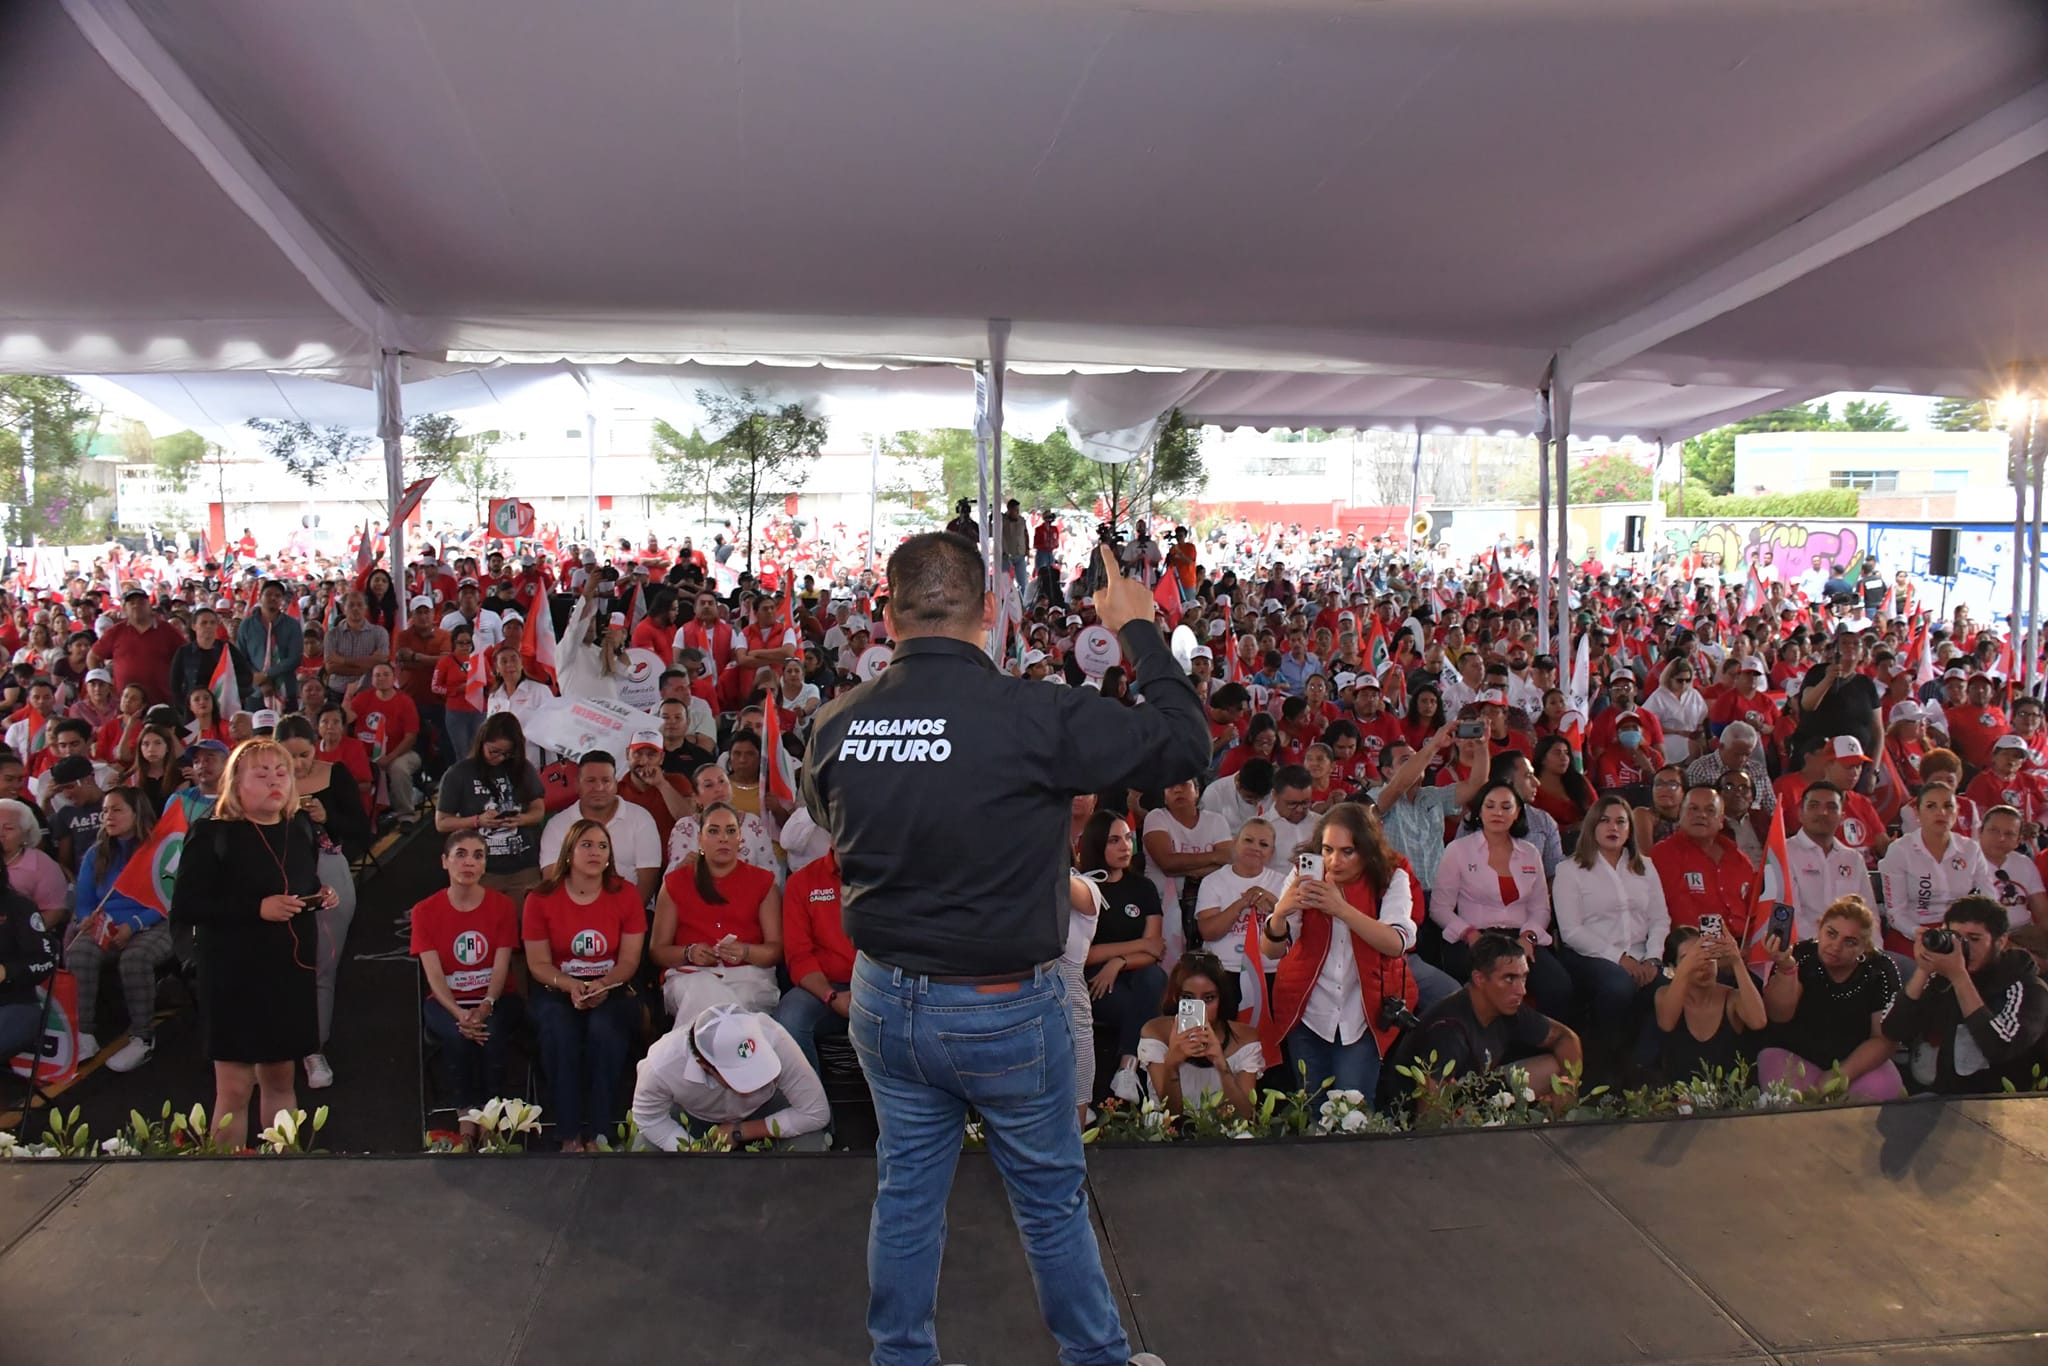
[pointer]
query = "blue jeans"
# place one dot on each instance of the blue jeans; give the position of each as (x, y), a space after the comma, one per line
(1354, 1066)
(930, 1050)
(460, 727)
(468, 1070)
(585, 1053)
(806, 1017)
(1607, 987)
(1432, 984)
(21, 1030)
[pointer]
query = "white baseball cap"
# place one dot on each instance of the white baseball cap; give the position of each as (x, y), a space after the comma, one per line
(1346, 682)
(1217, 628)
(264, 720)
(1906, 711)
(1201, 652)
(619, 620)
(1848, 749)
(1031, 657)
(419, 600)
(2010, 742)
(1752, 666)
(737, 1043)
(645, 739)
(98, 676)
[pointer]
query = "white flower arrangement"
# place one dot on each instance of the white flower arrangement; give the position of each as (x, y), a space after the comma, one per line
(504, 1125)
(1343, 1112)
(290, 1132)
(119, 1146)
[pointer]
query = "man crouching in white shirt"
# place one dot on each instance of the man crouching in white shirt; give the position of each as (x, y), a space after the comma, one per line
(734, 1071)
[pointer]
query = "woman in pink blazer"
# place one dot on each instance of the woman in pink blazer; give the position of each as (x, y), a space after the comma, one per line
(1491, 880)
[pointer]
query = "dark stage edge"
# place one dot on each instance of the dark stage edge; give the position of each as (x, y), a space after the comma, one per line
(1906, 1233)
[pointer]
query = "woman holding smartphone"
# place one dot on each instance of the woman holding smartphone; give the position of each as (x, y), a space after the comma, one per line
(1341, 929)
(248, 874)
(584, 928)
(1700, 1021)
(333, 802)
(1195, 1053)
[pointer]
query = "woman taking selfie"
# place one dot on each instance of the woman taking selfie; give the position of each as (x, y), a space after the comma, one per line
(717, 925)
(1213, 1061)
(583, 931)
(332, 801)
(464, 936)
(249, 873)
(1700, 1021)
(1340, 937)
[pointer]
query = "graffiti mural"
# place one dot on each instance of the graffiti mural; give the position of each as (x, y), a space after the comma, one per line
(1985, 564)
(1782, 550)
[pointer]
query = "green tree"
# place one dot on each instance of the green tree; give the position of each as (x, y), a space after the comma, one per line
(467, 460)
(1710, 456)
(40, 480)
(764, 452)
(688, 464)
(178, 457)
(1055, 473)
(307, 451)
(1962, 415)
(953, 449)
(1859, 415)
(1608, 477)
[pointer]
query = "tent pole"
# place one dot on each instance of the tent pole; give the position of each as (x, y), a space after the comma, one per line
(1543, 521)
(590, 462)
(998, 371)
(1414, 480)
(874, 484)
(391, 431)
(2040, 453)
(2017, 441)
(981, 434)
(1561, 437)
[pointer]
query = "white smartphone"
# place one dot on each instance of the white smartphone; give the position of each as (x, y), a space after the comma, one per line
(1192, 1015)
(1710, 926)
(1311, 867)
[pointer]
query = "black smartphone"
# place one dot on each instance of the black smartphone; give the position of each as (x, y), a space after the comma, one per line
(1781, 924)
(1470, 730)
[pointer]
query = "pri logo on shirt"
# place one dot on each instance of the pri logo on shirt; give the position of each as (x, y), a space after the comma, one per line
(1852, 832)
(471, 948)
(589, 944)
(1695, 882)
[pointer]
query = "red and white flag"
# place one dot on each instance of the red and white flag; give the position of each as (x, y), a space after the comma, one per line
(1774, 889)
(227, 693)
(781, 771)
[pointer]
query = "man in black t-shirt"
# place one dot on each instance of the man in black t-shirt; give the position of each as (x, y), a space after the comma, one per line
(1835, 699)
(74, 810)
(1489, 1024)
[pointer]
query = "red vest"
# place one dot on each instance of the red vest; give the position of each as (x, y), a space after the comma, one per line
(1377, 973)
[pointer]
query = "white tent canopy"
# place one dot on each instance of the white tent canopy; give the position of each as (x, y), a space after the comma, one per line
(1661, 213)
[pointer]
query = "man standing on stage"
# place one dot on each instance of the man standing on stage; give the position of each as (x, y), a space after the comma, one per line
(957, 997)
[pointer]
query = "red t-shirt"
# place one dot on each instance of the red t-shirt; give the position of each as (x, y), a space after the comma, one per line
(1971, 732)
(583, 940)
(652, 635)
(451, 684)
(558, 786)
(1760, 711)
(2022, 791)
(142, 658)
(650, 800)
(466, 941)
(1696, 885)
(382, 722)
(1861, 825)
(702, 922)
(351, 755)
(1375, 735)
(1619, 767)
(813, 931)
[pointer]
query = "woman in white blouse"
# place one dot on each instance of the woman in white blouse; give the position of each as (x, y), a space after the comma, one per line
(1681, 709)
(1925, 871)
(1218, 1063)
(511, 690)
(1611, 918)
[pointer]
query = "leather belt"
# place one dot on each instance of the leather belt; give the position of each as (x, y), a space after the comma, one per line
(987, 980)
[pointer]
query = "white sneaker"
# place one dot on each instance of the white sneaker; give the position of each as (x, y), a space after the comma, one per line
(88, 1047)
(1148, 1359)
(132, 1055)
(1124, 1085)
(319, 1076)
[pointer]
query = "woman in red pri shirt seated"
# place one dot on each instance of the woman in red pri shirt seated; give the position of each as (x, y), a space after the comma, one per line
(1261, 741)
(584, 930)
(717, 925)
(464, 936)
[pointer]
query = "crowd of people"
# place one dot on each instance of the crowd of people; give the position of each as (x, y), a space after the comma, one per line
(1799, 830)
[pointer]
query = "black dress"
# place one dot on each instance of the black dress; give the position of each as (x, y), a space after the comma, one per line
(256, 976)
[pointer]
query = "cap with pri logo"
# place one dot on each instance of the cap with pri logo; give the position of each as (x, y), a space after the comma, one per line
(1906, 711)
(1752, 666)
(2010, 742)
(264, 720)
(645, 739)
(736, 1043)
(1847, 749)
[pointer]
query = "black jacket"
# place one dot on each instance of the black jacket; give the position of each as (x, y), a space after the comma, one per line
(192, 667)
(2002, 1041)
(947, 788)
(28, 951)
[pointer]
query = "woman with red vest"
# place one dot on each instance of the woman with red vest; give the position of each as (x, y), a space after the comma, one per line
(1343, 935)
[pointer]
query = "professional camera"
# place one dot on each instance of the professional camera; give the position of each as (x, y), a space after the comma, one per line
(1109, 534)
(1940, 939)
(1395, 1014)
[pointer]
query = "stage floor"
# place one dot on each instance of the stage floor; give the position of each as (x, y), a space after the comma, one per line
(1908, 1233)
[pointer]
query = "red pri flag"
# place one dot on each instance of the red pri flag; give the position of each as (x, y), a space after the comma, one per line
(1774, 889)
(1496, 584)
(476, 680)
(152, 871)
(1167, 595)
(227, 693)
(778, 775)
